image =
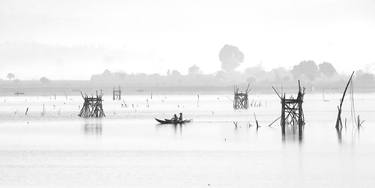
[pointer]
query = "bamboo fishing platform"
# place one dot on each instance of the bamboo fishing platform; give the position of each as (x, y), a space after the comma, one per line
(292, 110)
(92, 106)
(116, 93)
(241, 98)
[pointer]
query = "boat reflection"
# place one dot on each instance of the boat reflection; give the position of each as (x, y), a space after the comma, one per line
(177, 128)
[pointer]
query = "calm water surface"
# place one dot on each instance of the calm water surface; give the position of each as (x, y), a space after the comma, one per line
(55, 148)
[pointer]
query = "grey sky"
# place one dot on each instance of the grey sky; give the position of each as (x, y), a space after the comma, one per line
(153, 36)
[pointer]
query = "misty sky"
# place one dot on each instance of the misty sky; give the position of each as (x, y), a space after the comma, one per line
(58, 38)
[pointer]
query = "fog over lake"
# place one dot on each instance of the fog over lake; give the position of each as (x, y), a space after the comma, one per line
(128, 148)
(187, 93)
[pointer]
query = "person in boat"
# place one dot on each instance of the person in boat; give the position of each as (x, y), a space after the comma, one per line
(175, 118)
(180, 117)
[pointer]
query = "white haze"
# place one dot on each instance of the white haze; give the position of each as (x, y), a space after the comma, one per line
(63, 37)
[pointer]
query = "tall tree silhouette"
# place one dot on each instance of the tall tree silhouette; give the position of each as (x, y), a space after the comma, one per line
(231, 57)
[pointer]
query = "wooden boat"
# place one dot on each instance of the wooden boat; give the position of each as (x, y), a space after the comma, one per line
(18, 93)
(169, 121)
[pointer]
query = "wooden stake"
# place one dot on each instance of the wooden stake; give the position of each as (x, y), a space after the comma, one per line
(339, 108)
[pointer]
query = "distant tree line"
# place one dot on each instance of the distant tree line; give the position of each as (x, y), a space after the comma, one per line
(314, 74)
(308, 71)
(12, 77)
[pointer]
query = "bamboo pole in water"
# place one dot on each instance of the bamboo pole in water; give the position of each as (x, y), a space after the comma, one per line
(339, 108)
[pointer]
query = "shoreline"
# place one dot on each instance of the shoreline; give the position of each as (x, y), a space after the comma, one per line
(60, 90)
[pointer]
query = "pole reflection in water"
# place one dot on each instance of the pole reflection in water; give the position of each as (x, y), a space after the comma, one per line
(339, 135)
(351, 135)
(93, 127)
(293, 133)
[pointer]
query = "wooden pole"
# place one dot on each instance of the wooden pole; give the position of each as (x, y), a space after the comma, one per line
(300, 121)
(283, 115)
(339, 108)
(119, 93)
(114, 93)
(300, 110)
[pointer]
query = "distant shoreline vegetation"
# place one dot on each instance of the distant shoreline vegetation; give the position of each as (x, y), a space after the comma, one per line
(316, 78)
(321, 77)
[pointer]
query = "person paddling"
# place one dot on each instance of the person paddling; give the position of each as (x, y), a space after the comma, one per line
(174, 117)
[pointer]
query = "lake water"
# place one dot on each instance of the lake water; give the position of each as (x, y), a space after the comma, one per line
(55, 148)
